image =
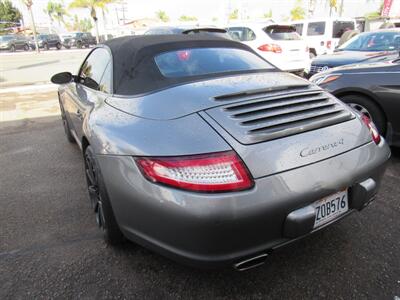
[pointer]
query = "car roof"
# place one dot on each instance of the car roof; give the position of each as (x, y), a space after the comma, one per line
(322, 20)
(134, 68)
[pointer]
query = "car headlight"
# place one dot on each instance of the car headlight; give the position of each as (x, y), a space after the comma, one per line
(324, 79)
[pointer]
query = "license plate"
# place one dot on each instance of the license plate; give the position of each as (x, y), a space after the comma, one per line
(330, 208)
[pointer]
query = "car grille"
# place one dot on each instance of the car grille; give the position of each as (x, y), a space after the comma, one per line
(279, 114)
(317, 69)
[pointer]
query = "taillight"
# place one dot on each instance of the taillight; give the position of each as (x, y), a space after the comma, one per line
(329, 44)
(270, 48)
(216, 172)
(372, 129)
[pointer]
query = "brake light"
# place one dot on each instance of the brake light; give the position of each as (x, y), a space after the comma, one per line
(372, 129)
(270, 48)
(216, 172)
(329, 44)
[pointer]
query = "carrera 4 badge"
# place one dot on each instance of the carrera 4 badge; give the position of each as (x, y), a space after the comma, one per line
(308, 151)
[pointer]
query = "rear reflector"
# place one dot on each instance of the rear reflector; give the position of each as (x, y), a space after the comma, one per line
(270, 48)
(372, 129)
(216, 172)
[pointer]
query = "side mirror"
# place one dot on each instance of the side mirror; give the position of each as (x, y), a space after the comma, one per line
(62, 78)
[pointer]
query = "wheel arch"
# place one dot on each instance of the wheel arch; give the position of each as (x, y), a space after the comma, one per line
(363, 93)
(85, 143)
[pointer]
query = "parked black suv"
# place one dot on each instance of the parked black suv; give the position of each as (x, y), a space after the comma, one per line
(47, 41)
(79, 40)
(14, 42)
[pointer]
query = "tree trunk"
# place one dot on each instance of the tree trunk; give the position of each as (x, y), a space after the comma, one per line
(97, 30)
(34, 29)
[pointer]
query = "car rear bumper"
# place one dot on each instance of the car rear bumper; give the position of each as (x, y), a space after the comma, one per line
(214, 230)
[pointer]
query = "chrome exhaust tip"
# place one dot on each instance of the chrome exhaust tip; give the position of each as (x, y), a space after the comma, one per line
(251, 263)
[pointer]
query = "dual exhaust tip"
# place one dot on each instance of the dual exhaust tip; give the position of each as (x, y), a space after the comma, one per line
(251, 262)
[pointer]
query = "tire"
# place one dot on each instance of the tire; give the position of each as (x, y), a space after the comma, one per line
(26, 47)
(312, 54)
(58, 46)
(67, 129)
(347, 35)
(367, 107)
(100, 201)
(12, 48)
(45, 46)
(79, 45)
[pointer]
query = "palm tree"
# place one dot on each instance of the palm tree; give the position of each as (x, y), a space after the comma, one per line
(162, 15)
(49, 10)
(28, 4)
(91, 5)
(59, 13)
(55, 11)
(332, 5)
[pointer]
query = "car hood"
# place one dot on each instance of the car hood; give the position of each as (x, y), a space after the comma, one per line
(182, 100)
(349, 57)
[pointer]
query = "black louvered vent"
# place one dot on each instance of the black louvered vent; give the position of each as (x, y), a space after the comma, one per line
(279, 114)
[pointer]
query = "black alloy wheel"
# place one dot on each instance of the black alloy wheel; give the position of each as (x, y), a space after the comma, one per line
(100, 202)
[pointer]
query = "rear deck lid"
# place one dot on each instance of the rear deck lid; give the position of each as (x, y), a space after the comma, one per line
(286, 128)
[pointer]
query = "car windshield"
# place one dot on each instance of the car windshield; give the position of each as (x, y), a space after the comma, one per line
(282, 33)
(202, 61)
(373, 41)
(5, 38)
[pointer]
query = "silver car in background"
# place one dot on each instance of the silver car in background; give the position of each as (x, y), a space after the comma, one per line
(199, 149)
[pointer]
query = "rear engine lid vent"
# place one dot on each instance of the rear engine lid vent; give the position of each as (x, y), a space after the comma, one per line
(264, 116)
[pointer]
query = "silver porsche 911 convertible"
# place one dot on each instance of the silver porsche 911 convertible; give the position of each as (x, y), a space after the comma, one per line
(199, 149)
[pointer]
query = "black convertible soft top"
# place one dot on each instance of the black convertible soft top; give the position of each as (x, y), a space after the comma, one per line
(135, 71)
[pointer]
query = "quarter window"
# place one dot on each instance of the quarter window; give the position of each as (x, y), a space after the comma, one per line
(316, 28)
(93, 68)
(105, 82)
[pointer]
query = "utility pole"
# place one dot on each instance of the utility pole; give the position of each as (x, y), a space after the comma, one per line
(29, 4)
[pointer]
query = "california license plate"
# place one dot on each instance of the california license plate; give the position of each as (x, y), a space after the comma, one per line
(330, 208)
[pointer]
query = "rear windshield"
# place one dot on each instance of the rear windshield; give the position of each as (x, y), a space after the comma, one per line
(340, 27)
(316, 28)
(202, 61)
(282, 33)
(373, 41)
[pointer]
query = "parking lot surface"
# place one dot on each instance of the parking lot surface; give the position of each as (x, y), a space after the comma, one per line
(50, 246)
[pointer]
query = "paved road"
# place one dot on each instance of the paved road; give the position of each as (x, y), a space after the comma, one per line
(51, 248)
(22, 68)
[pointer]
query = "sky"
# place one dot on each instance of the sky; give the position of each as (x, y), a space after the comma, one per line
(206, 10)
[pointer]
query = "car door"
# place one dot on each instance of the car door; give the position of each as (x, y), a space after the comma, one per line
(386, 86)
(88, 91)
(20, 42)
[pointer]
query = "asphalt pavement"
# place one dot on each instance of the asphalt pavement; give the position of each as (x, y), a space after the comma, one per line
(25, 68)
(50, 246)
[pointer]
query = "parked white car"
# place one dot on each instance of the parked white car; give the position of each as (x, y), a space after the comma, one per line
(323, 35)
(278, 44)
